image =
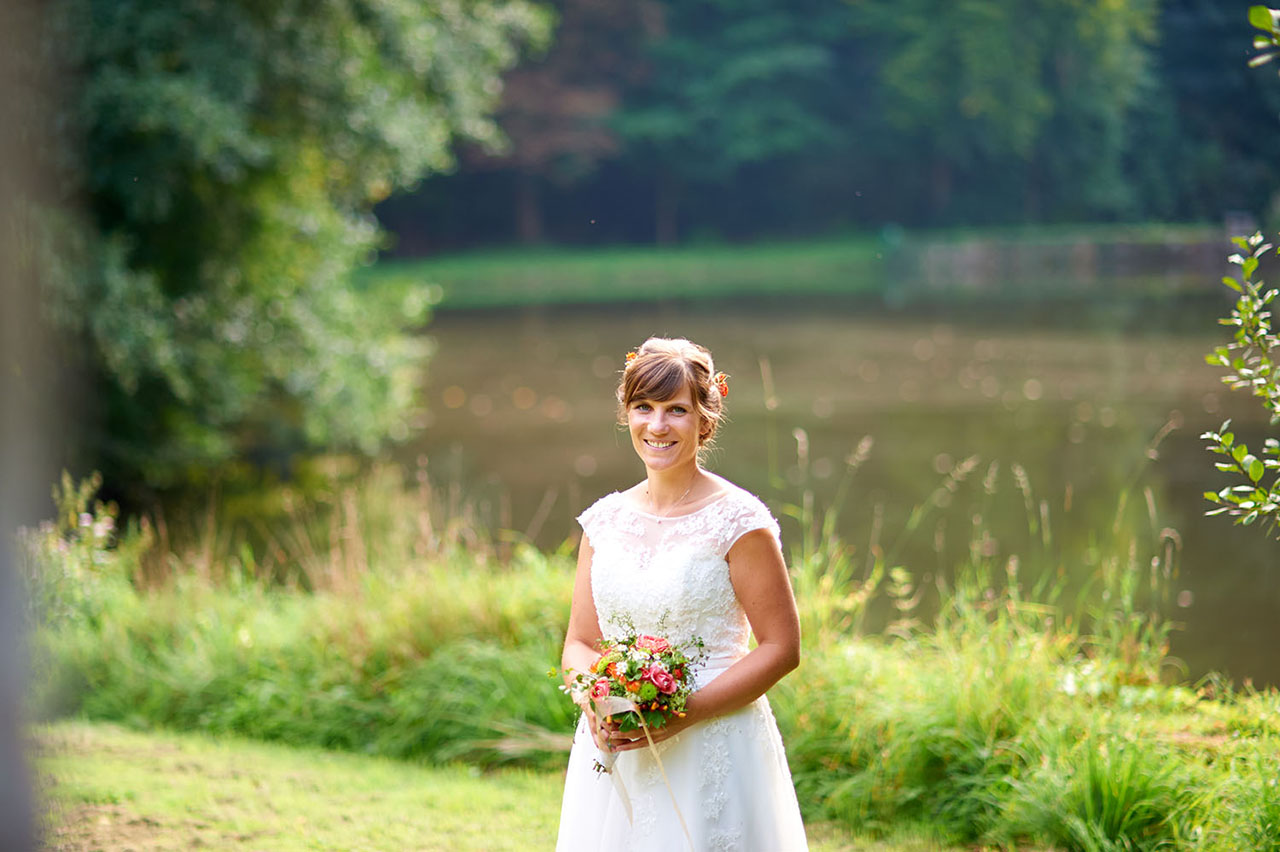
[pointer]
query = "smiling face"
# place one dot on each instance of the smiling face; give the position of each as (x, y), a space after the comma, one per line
(668, 382)
(664, 433)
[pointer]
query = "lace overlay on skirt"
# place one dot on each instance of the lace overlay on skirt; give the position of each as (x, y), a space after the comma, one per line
(729, 774)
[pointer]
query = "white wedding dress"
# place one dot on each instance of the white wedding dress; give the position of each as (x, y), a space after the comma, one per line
(669, 577)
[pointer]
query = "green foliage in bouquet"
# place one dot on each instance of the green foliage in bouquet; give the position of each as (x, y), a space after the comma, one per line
(649, 671)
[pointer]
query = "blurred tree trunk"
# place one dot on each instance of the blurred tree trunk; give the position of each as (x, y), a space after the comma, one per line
(666, 224)
(528, 208)
(940, 185)
(27, 407)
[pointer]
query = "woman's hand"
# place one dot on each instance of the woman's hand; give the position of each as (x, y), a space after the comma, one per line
(619, 741)
(599, 732)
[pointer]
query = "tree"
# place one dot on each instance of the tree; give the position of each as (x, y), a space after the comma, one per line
(1253, 363)
(727, 85)
(555, 111)
(1013, 96)
(218, 163)
(1252, 358)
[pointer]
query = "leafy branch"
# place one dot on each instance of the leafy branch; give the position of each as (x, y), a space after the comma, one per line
(1267, 43)
(1251, 365)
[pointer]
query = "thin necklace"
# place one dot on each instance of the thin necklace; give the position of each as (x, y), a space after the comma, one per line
(673, 506)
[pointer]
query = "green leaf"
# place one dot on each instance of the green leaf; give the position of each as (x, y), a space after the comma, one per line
(1256, 469)
(1232, 283)
(1250, 264)
(1260, 17)
(1212, 497)
(1239, 452)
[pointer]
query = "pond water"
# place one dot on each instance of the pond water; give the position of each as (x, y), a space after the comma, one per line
(1065, 414)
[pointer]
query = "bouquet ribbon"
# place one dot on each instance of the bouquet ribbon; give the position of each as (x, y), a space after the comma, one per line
(613, 705)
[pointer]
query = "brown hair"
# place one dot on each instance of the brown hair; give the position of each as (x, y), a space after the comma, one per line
(662, 367)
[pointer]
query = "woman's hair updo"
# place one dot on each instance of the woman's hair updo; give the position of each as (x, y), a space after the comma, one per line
(660, 368)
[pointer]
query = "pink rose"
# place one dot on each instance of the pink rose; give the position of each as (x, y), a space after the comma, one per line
(653, 643)
(660, 678)
(600, 689)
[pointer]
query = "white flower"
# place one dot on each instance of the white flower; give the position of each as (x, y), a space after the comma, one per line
(1068, 683)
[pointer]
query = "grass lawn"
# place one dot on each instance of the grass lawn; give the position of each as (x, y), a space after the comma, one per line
(515, 277)
(109, 788)
(852, 266)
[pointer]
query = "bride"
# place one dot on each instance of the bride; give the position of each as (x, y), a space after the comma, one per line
(683, 554)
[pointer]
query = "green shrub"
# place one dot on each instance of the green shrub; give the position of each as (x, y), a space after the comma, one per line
(1103, 794)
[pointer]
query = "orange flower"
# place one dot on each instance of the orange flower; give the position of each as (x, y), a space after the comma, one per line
(721, 381)
(631, 356)
(632, 685)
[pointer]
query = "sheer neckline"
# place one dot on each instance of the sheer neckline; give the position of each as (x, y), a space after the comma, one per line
(630, 505)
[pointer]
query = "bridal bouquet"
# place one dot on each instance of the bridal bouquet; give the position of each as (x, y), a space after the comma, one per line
(639, 680)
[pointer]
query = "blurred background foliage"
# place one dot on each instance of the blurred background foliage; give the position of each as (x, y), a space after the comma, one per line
(741, 120)
(213, 169)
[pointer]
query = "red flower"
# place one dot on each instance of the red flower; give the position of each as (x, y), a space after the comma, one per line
(653, 643)
(600, 689)
(721, 381)
(660, 678)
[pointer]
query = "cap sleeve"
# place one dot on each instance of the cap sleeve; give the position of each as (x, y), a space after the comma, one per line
(592, 517)
(747, 514)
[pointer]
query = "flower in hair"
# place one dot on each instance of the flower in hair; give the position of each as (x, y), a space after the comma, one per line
(631, 356)
(721, 381)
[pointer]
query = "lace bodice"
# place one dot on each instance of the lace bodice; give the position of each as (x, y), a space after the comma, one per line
(668, 576)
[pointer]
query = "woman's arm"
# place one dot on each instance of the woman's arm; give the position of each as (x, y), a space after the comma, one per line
(760, 580)
(582, 639)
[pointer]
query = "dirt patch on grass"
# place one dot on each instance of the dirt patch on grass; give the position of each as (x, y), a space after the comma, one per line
(111, 828)
(115, 826)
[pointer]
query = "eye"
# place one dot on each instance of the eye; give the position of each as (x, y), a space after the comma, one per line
(641, 406)
(679, 409)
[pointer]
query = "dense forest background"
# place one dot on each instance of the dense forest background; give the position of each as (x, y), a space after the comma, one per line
(705, 120)
(201, 184)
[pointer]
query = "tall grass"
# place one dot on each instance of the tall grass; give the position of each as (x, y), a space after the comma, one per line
(398, 638)
(992, 705)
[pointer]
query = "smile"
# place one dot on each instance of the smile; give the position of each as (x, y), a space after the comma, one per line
(659, 445)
